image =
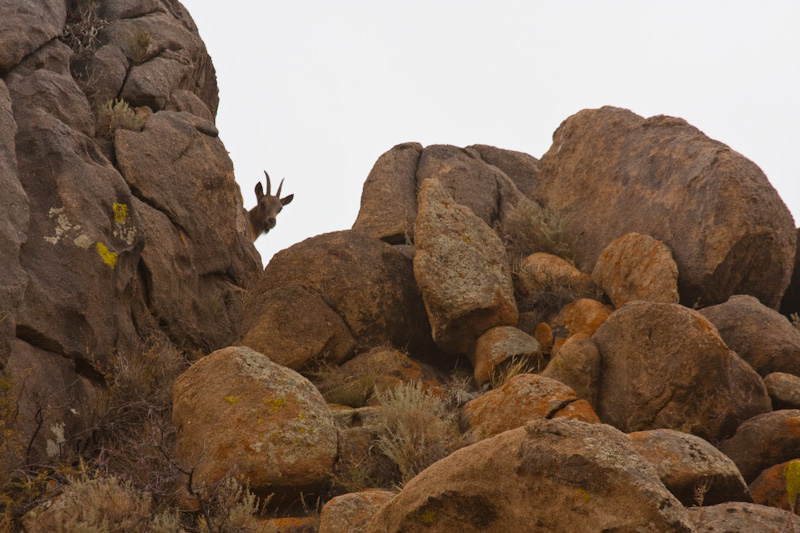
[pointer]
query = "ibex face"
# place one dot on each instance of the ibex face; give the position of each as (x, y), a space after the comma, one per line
(262, 216)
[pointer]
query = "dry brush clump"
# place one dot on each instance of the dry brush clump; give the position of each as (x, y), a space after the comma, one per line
(117, 114)
(418, 429)
(82, 30)
(529, 228)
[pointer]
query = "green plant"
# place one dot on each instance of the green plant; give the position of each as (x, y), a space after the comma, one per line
(418, 429)
(82, 29)
(795, 318)
(528, 227)
(116, 114)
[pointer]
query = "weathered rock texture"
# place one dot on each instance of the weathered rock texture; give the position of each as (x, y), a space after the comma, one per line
(665, 366)
(728, 229)
(109, 236)
(350, 513)
(389, 199)
(368, 283)
(462, 271)
(486, 179)
(791, 298)
(553, 475)
(691, 468)
(740, 517)
(577, 364)
(759, 335)
(637, 267)
(523, 399)
(503, 344)
(784, 389)
(763, 441)
(271, 428)
(778, 485)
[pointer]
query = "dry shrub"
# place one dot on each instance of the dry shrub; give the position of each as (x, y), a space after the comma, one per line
(101, 505)
(140, 43)
(513, 367)
(234, 509)
(418, 429)
(795, 318)
(339, 388)
(81, 32)
(134, 431)
(528, 227)
(116, 114)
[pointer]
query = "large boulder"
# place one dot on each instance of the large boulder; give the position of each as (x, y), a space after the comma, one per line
(784, 389)
(742, 517)
(294, 327)
(637, 267)
(665, 366)
(577, 364)
(198, 256)
(791, 298)
(502, 346)
(272, 428)
(690, 467)
(14, 216)
(764, 441)
(728, 229)
(350, 513)
(389, 199)
(523, 399)
(779, 486)
(521, 168)
(552, 475)
(759, 335)
(365, 281)
(26, 26)
(461, 269)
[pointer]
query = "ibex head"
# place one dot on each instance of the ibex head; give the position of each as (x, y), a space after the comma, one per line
(262, 216)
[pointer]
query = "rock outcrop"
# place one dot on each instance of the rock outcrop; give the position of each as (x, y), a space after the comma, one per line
(272, 428)
(120, 219)
(462, 271)
(554, 475)
(665, 366)
(728, 229)
(759, 335)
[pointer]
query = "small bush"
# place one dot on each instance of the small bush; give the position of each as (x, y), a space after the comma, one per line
(795, 318)
(102, 505)
(133, 425)
(81, 32)
(233, 509)
(117, 114)
(513, 367)
(139, 44)
(528, 227)
(418, 429)
(338, 388)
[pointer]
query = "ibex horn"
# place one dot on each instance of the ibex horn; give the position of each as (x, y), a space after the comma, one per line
(269, 185)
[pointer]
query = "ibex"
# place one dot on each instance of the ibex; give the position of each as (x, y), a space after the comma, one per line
(262, 217)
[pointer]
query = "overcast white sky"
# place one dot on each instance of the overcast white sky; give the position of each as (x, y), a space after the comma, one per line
(316, 91)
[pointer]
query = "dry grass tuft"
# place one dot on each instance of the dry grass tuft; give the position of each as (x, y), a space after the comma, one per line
(418, 429)
(513, 367)
(527, 227)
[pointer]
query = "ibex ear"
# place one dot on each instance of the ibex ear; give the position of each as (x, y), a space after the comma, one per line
(259, 191)
(287, 199)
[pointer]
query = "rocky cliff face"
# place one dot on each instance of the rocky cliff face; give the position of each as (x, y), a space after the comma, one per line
(119, 214)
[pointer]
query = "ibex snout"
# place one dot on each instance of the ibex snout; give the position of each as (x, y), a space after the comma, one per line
(263, 216)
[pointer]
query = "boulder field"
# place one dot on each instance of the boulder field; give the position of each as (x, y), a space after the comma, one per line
(597, 340)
